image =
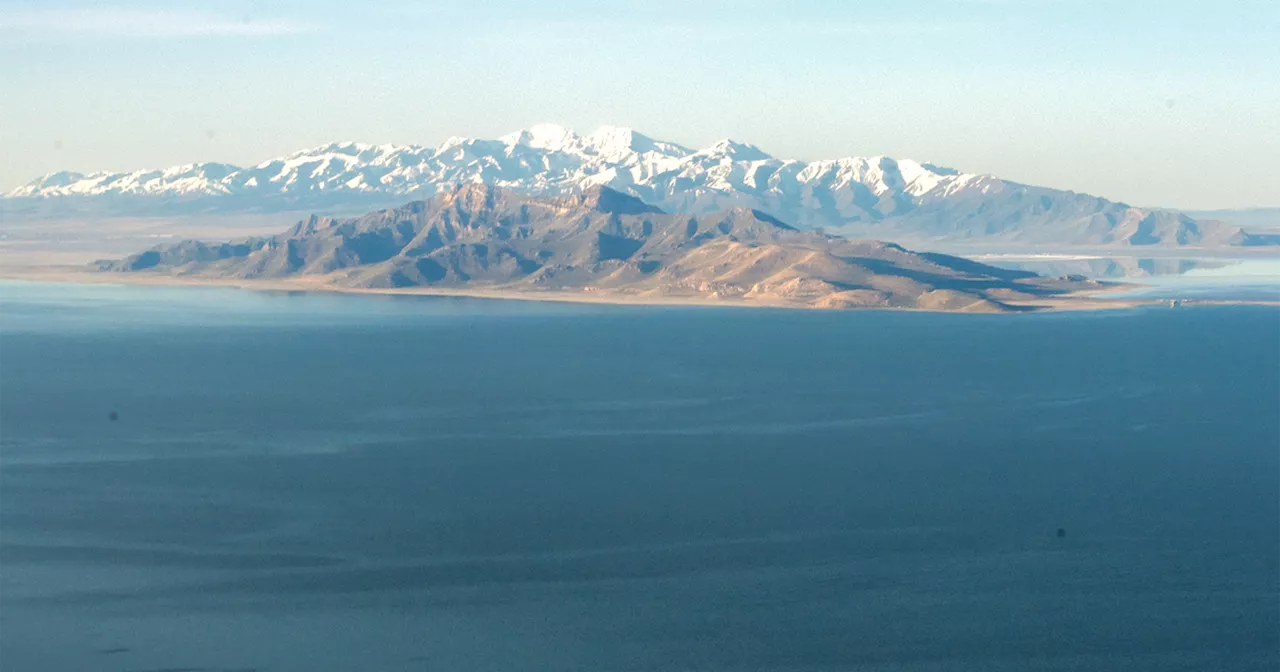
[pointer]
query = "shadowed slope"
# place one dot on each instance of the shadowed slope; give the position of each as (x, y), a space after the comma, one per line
(598, 240)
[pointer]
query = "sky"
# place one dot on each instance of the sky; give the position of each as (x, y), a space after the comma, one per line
(1155, 103)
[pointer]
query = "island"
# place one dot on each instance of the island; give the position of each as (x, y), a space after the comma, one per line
(597, 245)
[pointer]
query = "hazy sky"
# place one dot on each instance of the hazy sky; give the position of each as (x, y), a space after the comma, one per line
(1164, 102)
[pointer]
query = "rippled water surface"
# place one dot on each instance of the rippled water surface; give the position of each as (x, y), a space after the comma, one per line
(314, 482)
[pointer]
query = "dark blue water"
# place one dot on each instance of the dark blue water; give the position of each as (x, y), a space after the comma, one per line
(308, 482)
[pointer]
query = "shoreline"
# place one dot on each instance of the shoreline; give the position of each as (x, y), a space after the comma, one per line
(1084, 300)
(318, 286)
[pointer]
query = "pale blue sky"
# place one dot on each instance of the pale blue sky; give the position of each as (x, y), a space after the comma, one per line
(1165, 102)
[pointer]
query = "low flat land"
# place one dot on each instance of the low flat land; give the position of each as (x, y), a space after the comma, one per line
(1091, 300)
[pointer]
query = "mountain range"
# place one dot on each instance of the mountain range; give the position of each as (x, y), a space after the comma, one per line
(604, 242)
(877, 197)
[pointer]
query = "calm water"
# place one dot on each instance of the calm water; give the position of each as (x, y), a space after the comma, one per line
(1169, 277)
(315, 483)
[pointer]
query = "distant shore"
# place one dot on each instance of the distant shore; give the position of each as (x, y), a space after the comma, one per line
(1083, 300)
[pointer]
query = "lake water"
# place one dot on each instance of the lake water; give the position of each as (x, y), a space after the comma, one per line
(320, 483)
(1216, 278)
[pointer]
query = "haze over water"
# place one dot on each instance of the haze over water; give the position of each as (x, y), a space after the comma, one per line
(317, 482)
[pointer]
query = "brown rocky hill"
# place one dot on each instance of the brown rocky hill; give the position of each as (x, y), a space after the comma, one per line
(600, 240)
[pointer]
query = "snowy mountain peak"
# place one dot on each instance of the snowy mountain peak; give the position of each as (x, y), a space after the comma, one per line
(620, 140)
(611, 143)
(876, 197)
(738, 151)
(615, 140)
(551, 137)
(61, 178)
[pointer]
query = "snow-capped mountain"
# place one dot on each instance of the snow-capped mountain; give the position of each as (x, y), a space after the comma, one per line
(875, 197)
